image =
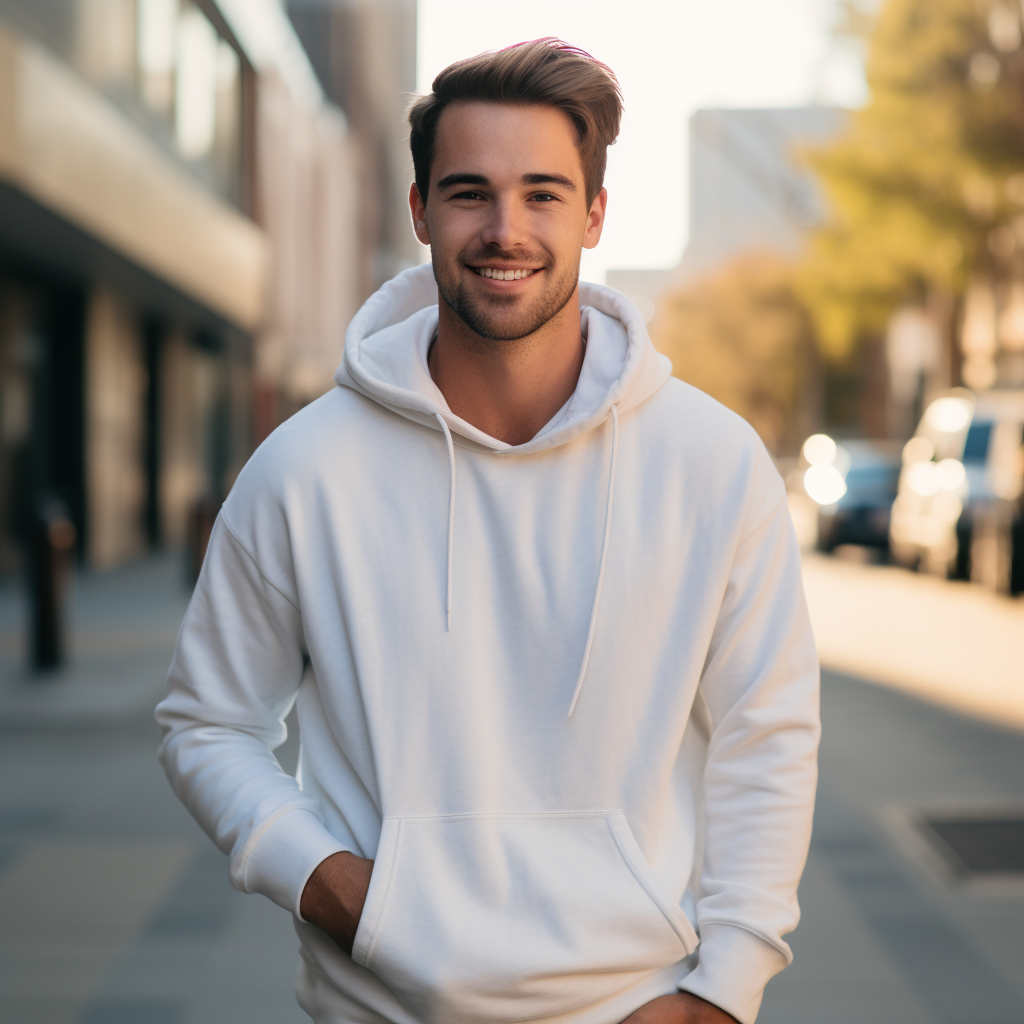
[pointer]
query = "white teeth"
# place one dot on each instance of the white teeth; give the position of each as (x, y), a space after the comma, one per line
(503, 275)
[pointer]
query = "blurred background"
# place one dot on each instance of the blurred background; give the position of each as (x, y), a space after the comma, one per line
(817, 205)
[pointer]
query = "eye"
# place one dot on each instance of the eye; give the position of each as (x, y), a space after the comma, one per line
(471, 196)
(544, 197)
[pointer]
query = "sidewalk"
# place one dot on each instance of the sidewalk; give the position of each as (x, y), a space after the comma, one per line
(114, 907)
(884, 938)
(123, 625)
(953, 643)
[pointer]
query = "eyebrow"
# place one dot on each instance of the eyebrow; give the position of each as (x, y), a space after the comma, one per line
(550, 179)
(461, 178)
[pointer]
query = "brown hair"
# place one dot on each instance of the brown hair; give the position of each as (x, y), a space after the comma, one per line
(545, 71)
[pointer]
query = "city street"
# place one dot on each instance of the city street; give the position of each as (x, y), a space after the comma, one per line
(115, 909)
(797, 231)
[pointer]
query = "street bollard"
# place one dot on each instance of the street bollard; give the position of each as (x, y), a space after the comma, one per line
(53, 541)
(202, 516)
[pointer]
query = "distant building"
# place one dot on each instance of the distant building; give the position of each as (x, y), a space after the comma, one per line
(183, 239)
(364, 54)
(748, 191)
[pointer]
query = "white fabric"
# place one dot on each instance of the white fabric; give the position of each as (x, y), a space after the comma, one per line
(530, 864)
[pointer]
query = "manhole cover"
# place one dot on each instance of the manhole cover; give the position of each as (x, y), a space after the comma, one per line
(978, 847)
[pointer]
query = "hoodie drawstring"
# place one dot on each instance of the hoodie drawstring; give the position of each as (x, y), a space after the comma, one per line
(451, 509)
(604, 545)
(604, 560)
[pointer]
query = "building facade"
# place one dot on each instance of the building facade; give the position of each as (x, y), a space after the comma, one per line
(180, 250)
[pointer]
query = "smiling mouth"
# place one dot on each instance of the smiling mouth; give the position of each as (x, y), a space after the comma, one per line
(494, 274)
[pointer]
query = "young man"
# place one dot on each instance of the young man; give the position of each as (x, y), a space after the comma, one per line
(539, 605)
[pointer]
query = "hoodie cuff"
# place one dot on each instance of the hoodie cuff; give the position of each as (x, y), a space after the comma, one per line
(287, 852)
(733, 968)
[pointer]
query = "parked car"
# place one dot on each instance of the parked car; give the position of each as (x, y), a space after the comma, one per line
(854, 485)
(958, 507)
(861, 515)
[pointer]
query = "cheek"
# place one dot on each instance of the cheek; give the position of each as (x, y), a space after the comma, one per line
(451, 231)
(562, 234)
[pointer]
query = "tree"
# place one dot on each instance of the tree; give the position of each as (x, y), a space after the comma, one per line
(743, 336)
(926, 187)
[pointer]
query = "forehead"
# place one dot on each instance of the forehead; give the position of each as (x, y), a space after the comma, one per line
(502, 141)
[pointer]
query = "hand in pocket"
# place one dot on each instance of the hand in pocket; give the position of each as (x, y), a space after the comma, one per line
(334, 896)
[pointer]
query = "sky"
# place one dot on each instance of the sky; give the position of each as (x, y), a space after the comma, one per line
(671, 57)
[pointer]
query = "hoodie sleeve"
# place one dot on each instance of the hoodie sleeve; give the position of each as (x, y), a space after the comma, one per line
(237, 667)
(760, 684)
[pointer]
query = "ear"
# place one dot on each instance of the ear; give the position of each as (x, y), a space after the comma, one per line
(419, 215)
(595, 220)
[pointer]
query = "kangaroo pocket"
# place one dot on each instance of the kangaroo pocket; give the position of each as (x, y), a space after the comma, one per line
(483, 917)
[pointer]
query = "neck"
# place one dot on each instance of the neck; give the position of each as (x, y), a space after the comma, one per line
(508, 389)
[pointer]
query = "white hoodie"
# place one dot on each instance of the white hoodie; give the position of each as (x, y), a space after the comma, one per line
(564, 693)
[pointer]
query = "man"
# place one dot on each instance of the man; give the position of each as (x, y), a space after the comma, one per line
(540, 607)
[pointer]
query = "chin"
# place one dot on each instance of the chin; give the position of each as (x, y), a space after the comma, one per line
(505, 318)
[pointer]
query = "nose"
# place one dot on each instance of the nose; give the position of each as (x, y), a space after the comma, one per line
(505, 227)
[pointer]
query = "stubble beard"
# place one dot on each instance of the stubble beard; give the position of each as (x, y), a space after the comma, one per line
(504, 317)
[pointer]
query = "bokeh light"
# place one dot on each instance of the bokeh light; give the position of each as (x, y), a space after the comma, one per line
(923, 479)
(949, 414)
(951, 474)
(918, 449)
(825, 484)
(819, 450)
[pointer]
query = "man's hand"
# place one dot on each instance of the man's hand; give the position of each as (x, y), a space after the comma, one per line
(679, 1008)
(334, 896)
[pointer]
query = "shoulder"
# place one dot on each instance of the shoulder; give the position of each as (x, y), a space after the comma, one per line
(285, 470)
(319, 432)
(715, 447)
(682, 420)
(683, 405)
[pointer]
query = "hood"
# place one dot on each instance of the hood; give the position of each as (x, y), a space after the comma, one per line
(386, 360)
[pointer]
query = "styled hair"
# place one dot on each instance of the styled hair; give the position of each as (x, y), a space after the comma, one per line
(546, 72)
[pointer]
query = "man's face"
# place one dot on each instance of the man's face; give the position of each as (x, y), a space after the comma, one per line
(506, 216)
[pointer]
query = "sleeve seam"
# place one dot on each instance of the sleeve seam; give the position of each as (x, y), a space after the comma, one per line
(755, 529)
(256, 565)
